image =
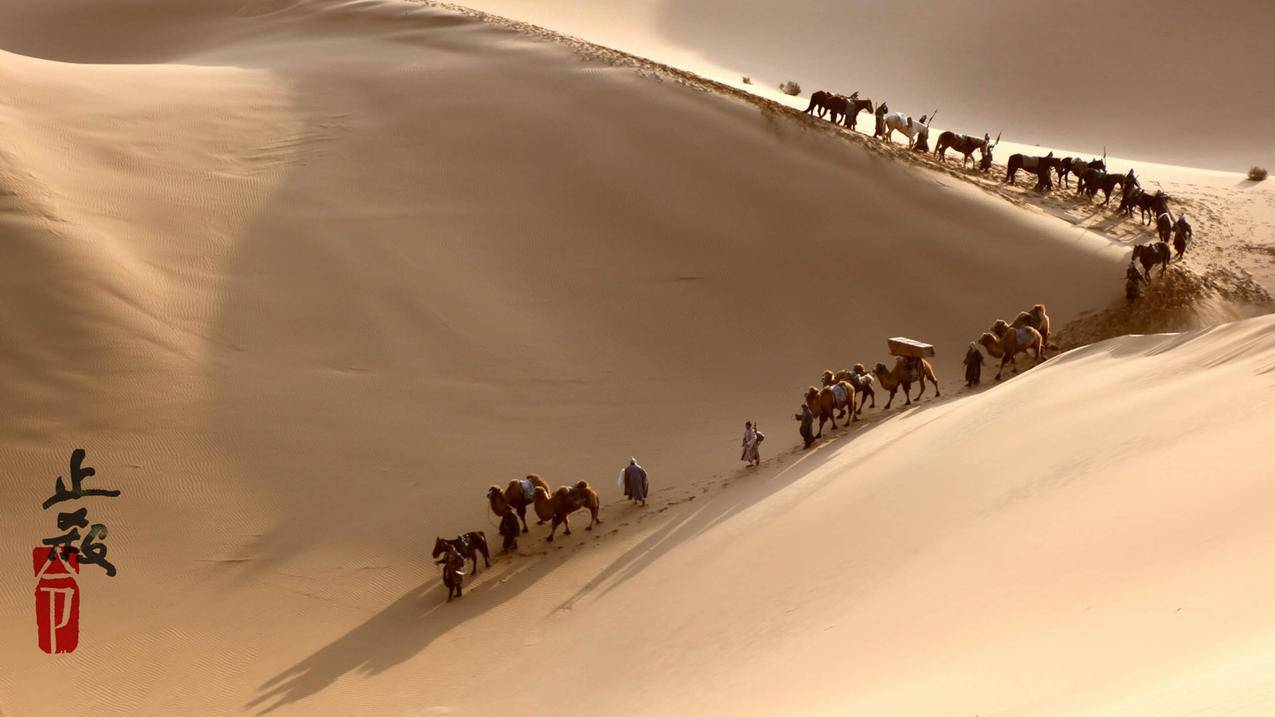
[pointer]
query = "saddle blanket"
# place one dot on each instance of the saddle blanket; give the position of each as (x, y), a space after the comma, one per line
(840, 393)
(528, 489)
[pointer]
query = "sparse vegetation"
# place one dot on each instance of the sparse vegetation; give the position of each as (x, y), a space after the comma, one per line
(790, 88)
(748, 80)
(1256, 173)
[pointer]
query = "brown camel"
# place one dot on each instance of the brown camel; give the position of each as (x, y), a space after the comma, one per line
(904, 375)
(514, 497)
(565, 501)
(1012, 342)
(826, 401)
(1037, 319)
(844, 404)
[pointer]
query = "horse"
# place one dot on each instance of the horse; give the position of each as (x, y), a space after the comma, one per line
(1158, 205)
(1128, 199)
(822, 102)
(853, 106)
(468, 545)
(1076, 165)
(1108, 183)
(1151, 254)
(967, 145)
(1030, 164)
(1148, 204)
(452, 562)
(1164, 225)
(917, 131)
(1181, 235)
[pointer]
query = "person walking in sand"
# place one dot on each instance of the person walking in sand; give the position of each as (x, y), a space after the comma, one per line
(636, 483)
(807, 419)
(752, 444)
(973, 365)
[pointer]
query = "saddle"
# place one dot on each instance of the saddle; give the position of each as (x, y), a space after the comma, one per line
(528, 489)
(839, 392)
(464, 543)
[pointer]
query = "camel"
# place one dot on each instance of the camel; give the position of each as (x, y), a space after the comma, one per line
(1015, 340)
(837, 382)
(860, 380)
(904, 375)
(514, 497)
(826, 402)
(565, 501)
(1037, 319)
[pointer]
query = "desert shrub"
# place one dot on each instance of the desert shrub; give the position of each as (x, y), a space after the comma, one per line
(1257, 173)
(790, 88)
(748, 80)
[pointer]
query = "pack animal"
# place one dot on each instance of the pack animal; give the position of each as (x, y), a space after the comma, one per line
(1151, 254)
(967, 146)
(469, 545)
(1039, 166)
(903, 375)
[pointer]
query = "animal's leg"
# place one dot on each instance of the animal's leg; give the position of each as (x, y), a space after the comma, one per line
(552, 530)
(522, 513)
(593, 518)
(474, 557)
(566, 523)
(886, 407)
(907, 393)
(486, 553)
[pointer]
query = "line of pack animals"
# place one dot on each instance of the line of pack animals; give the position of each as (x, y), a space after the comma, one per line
(510, 505)
(1091, 176)
(845, 393)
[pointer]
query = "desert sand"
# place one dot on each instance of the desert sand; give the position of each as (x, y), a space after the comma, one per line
(304, 278)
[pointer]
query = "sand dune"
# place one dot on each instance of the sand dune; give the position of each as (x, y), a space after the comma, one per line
(304, 278)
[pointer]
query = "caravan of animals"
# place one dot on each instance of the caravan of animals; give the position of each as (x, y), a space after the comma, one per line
(844, 394)
(1091, 176)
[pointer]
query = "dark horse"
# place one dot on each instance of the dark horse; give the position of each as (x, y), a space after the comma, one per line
(1076, 165)
(848, 108)
(1109, 182)
(967, 145)
(1039, 165)
(468, 545)
(1093, 179)
(1149, 204)
(452, 562)
(1151, 254)
(1181, 235)
(1163, 226)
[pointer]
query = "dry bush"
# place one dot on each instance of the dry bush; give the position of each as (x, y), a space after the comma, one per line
(1256, 173)
(790, 88)
(748, 80)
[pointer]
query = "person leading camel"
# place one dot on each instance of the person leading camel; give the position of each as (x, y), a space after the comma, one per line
(973, 365)
(636, 483)
(509, 530)
(807, 418)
